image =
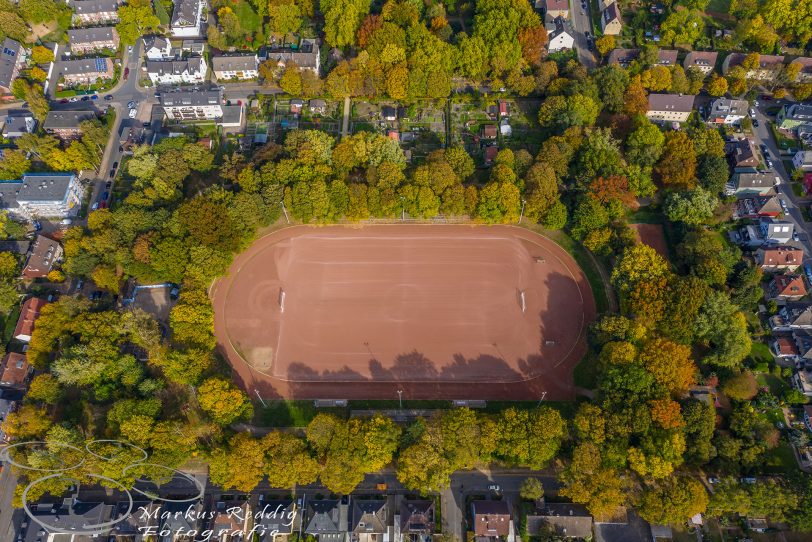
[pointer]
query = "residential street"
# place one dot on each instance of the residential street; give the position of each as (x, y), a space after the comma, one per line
(581, 25)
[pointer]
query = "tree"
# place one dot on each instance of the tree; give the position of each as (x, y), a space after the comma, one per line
(45, 388)
(635, 101)
(245, 451)
(645, 144)
(677, 166)
(342, 19)
(712, 173)
(693, 207)
(531, 489)
(673, 500)
(28, 422)
(717, 86)
(604, 44)
(288, 462)
(588, 482)
(741, 386)
(136, 19)
(285, 18)
(529, 438)
(723, 329)
(682, 25)
(192, 319)
(41, 55)
(223, 402)
(291, 80)
(670, 363)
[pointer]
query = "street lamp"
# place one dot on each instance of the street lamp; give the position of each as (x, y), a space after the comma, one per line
(402, 209)
(521, 216)
(400, 398)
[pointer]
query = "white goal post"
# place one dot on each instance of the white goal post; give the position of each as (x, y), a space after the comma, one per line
(521, 300)
(281, 300)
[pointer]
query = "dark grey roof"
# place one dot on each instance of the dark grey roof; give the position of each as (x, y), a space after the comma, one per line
(326, 516)
(417, 516)
(176, 67)
(191, 98)
(158, 42)
(671, 102)
(802, 111)
(611, 13)
(66, 119)
(89, 7)
(90, 35)
(17, 125)
(185, 13)
(41, 187)
(701, 59)
(276, 516)
(84, 66)
(798, 314)
(369, 516)
(8, 59)
(138, 519)
(181, 515)
(17, 247)
(232, 63)
(307, 56)
(622, 56)
(75, 517)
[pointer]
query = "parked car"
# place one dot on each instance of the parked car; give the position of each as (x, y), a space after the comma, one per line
(752, 113)
(115, 165)
(94, 97)
(126, 73)
(131, 104)
(106, 195)
(133, 113)
(755, 123)
(63, 101)
(108, 184)
(85, 98)
(94, 206)
(109, 97)
(103, 205)
(795, 236)
(112, 173)
(808, 272)
(783, 205)
(494, 487)
(74, 99)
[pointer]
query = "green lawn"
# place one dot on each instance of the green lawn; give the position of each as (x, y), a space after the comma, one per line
(646, 215)
(776, 384)
(718, 6)
(9, 323)
(161, 12)
(781, 460)
(285, 414)
(249, 20)
(585, 374)
(760, 353)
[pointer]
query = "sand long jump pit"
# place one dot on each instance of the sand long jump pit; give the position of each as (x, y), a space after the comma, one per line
(350, 312)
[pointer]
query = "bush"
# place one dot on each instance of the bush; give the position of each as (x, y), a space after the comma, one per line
(741, 386)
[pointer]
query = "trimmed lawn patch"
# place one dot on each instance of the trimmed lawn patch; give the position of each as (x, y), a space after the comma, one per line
(286, 414)
(782, 460)
(248, 18)
(585, 374)
(776, 384)
(760, 353)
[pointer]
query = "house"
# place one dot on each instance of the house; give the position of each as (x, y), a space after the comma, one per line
(143, 517)
(757, 207)
(29, 313)
(90, 40)
(45, 252)
(66, 124)
(181, 517)
(623, 57)
(57, 195)
(808, 416)
(769, 66)
(491, 520)
(157, 48)
(296, 106)
(14, 370)
(670, 107)
(95, 12)
(305, 56)
(558, 36)
(189, 105)
(389, 113)
(553, 9)
(661, 532)
(503, 108)
(786, 288)
(780, 258)
(415, 521)
(752, 184)
(187, 19)
(317, 107)
(741, 154)
(230, 520)
(805, 74)
(327, 519)
(369, 521)
(802, 380)
(802, 160)
(784, 347)
(12, 59)
(84, 71)
(667, 57)
(611, 23)
(275, 519)
(240, 67)
(489, 131)
(803, 345)
(560, 519)
(791, 116)
(703, 61)
(189, 71)
(775, 232)
(791, 317)
(70, 515)
(727, 111)
(18, 123)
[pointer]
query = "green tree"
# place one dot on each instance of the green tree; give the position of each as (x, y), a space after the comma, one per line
(531, 489)
(741, 386)
(673, 500)
(693, 207)
(41, 55)
(223, 401)
(677, 166)
(136, 19)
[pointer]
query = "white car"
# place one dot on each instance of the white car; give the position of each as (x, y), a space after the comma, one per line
(752, 113)
(133, 113)
(95, 206)
(74, 99)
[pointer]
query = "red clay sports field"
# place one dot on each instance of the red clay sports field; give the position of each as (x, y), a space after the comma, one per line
(438, 311)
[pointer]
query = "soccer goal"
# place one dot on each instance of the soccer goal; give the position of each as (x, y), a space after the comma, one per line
(521, 300)
(281, 300)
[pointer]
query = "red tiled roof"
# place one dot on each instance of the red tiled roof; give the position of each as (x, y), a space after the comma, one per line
(14, 369)
(782, 256)
(28, 315)
(789, 285)
(786, 346)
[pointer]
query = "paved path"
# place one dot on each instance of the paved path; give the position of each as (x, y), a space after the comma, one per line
(345, 124)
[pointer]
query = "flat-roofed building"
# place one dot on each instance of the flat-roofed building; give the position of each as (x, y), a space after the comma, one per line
(193, 105)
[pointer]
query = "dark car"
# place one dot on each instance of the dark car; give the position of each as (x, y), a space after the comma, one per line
(109, 97)
(85, 98)
(105, 195)
(126, 73)
(112, 173)
(63, 101)
(115, 165)
(108, 184)
(755, 123)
